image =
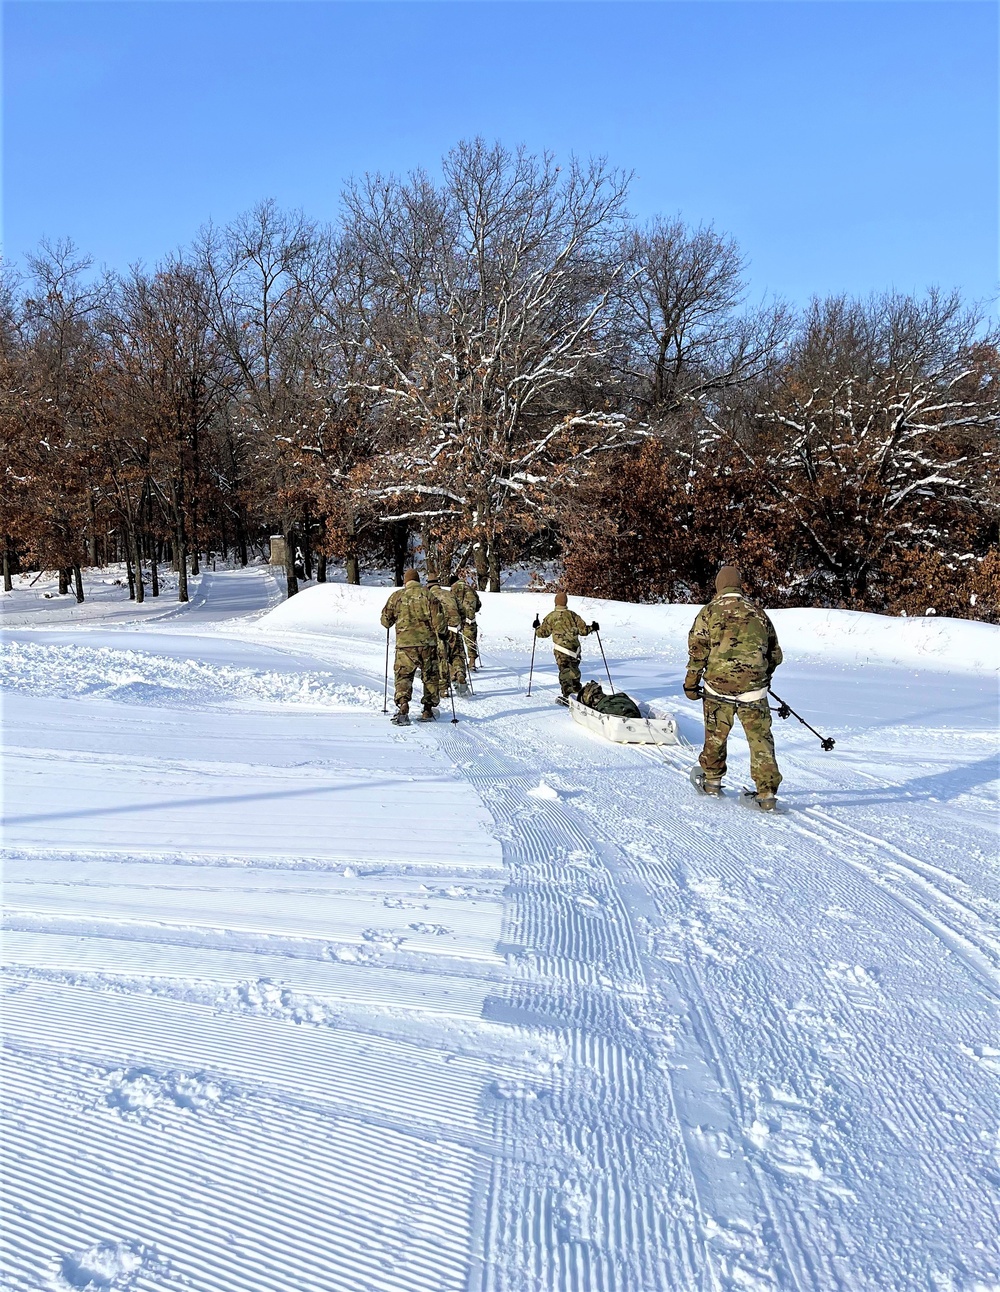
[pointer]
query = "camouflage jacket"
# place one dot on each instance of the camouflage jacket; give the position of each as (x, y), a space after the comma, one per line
(733, 645)
(565, 627)
(467, 598)
(449, 604)
(419, 618)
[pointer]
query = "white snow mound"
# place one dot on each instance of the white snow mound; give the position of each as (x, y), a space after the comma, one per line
(844, 636)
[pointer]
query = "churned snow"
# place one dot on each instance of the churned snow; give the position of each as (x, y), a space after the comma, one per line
(296, 999)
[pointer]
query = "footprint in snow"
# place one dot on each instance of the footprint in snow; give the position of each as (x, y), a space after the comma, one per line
(383, 938)
(108, 1266)
(860, 985)
(135, 1092)
(984, 1054)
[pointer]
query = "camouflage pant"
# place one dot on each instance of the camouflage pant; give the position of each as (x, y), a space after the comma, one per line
(453, 659)
(569, 672)
(410, 659)
(471, 632)
(756, 721)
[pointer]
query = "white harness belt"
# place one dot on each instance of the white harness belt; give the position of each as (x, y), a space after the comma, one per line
(564, 650)
(747, 697)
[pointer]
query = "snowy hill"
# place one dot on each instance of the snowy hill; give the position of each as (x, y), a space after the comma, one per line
(299, 1000)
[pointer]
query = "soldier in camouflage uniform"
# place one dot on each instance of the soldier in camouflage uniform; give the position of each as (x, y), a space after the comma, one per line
(470, 605)
(451, 659)
(420, 621)
(565, 627)
(732, 653)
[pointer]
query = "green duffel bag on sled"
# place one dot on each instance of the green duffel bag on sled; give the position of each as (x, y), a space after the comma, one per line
(618, 705)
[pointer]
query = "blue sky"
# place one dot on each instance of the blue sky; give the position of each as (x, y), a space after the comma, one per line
(847, 146)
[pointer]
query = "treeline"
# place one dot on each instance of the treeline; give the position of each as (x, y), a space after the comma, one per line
(495, 367)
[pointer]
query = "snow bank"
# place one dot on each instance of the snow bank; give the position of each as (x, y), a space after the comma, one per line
(138, 677)
(843, 636)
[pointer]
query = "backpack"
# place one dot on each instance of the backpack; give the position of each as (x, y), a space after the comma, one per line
(618, 705)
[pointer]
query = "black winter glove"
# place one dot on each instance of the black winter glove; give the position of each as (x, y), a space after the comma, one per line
(692, 688)
(595, 627)
(537, 624)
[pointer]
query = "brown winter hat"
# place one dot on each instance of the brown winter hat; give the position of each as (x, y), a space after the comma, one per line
(432, 579)
(411, 576)
(561, 598)
(728, 577)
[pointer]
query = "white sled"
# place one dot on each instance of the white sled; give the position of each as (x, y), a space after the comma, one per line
(647, 730)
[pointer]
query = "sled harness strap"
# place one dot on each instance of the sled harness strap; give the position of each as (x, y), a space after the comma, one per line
(564, 650)
(747, 697)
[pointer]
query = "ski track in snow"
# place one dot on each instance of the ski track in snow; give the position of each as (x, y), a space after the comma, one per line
(295, 999)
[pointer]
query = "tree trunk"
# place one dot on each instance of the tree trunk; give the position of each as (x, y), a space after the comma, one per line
(351, 566)
(140, 588)
(291, 582)
(241, 543)
(320, 567)
(131, 576)
(480, 562)
(78, 582)
(180, 559)
(154, 574)
(92, 530)
(307, 560)
(494, 566)
(400, 548)
(8, 582)
(63, 582)
(427, 543)
(445, 559)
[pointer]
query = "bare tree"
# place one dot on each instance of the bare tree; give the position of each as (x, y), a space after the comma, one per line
(174, 379)
(682, 306)
(258, 271)
(488, 296)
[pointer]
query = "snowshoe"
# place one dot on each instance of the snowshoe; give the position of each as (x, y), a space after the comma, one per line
(428, 715)
(563, 700)
(710, 788)
(462, 690)
(400, 719)
(759, 802)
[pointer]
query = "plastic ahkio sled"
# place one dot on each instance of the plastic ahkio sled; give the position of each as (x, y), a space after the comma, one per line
(647, 730)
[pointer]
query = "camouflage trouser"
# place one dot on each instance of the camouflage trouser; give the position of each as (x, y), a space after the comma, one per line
(756, 721)
(569, 672)
(453, 661)
(410, 659)
(471, 632)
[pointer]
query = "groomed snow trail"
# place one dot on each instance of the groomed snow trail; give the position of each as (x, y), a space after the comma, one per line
(294, 999)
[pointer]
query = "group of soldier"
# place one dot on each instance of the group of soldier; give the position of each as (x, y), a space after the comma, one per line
(732, 654)
(436, 636)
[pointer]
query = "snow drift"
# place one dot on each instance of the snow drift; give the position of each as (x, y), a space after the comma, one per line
(821, 636)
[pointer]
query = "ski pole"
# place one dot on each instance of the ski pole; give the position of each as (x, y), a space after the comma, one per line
(605, 658)
(534, 643)
(385, 697)
(468, 666)
(785, 710)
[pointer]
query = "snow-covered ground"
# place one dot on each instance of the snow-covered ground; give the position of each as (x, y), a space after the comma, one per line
(295, 1000)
